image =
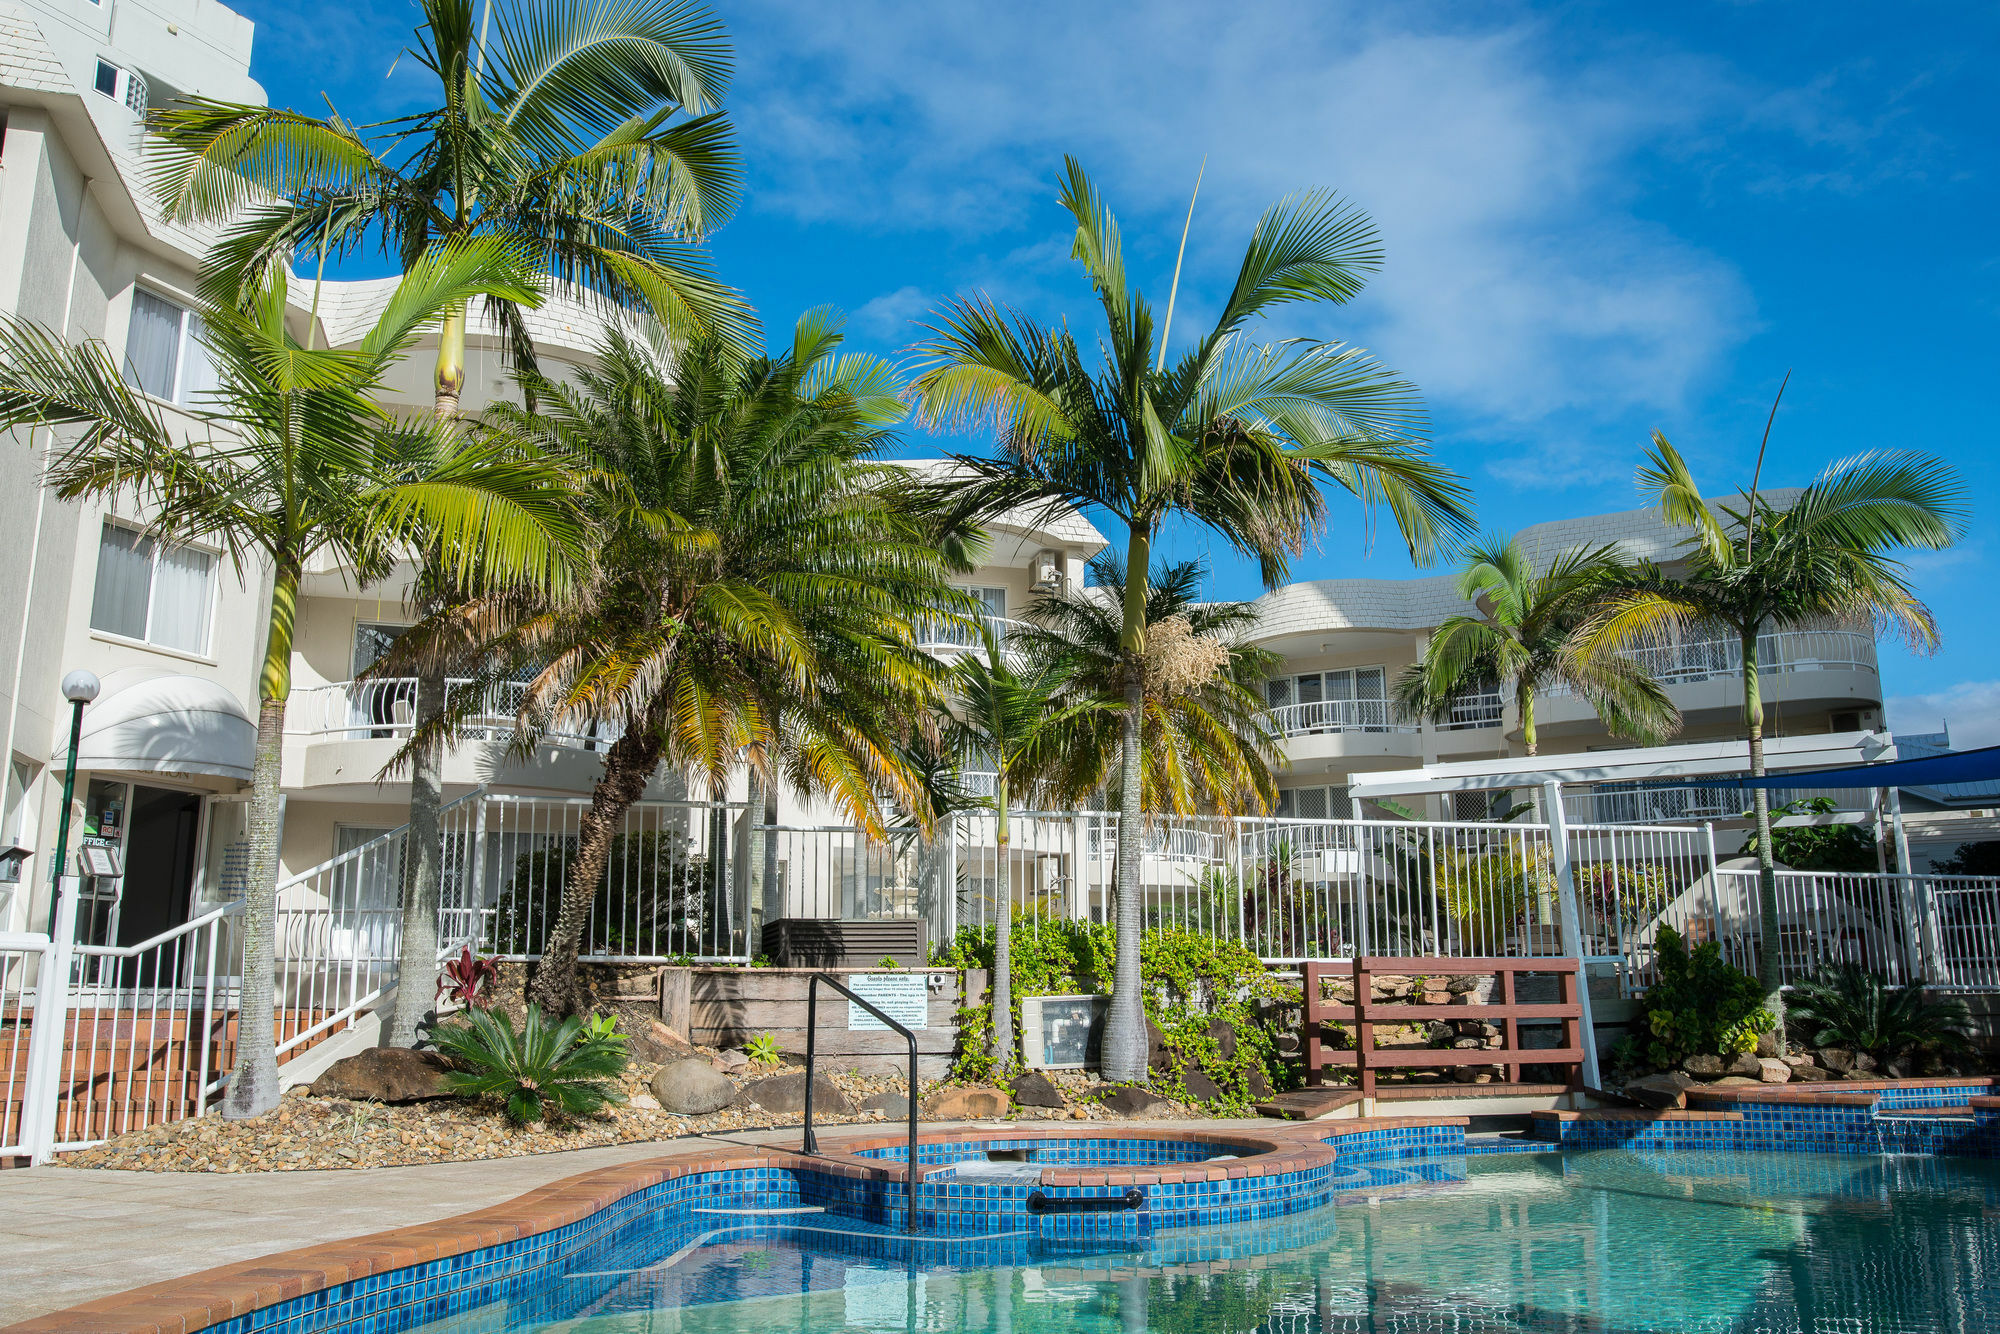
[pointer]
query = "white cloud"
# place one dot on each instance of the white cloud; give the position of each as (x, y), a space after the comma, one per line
(1971, 708)
(891, 317)
(1520, 282)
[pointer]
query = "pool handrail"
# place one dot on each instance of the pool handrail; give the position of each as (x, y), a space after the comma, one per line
(808, 1143)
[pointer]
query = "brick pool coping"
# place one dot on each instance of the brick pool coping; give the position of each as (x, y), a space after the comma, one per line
(184, 1305)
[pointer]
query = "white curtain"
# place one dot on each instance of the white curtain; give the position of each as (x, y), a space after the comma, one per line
(153, 345)
(198, 377)
(181, 581)
(124, 573)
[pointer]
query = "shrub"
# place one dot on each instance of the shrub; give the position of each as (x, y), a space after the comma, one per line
(1823, 847)
(468, 980)
(1845, 1005)
(1699, 1005)
(556, 1072)
(763, 1049)
(1490, 893)
(1193, 980)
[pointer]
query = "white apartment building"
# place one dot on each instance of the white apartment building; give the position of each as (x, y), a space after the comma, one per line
(175, 634)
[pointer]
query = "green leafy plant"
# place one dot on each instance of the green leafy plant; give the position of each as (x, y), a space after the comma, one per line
(1490, 893)
(1196, 984)
(1699, 1005)
(887, 961)
(1846, 1005)
(763, 1050)
(545, 1071)
(1818, 847)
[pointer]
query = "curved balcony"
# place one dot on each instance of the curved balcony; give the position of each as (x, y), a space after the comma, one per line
(1340, 715)
(385, 709)
(1788, 651)
(947, 637)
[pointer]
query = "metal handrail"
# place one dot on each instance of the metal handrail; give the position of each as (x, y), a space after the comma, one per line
(808, 1142)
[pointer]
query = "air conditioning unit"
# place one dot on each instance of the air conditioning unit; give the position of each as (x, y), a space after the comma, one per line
(1046, 573)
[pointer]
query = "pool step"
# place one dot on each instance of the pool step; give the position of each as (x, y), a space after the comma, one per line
(1308, 1104)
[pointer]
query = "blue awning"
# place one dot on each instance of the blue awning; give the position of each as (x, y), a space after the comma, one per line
(1964, 766)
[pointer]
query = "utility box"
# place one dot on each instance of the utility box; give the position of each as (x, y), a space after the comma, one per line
(1063, 1032)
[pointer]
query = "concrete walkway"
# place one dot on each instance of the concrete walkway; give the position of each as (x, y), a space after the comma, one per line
(69, 1235)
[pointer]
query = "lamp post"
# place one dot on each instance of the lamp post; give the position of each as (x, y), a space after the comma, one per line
(79, 688)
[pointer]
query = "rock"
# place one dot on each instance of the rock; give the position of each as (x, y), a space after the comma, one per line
(1466, 1044)
(1900, 1069)
(892, 1105)
(1260, 1083)
(1837, 1059)
(656, 1044)
(1224, 1038)
(385, 1074)
(1746, 1065)
(1137, 1103)
(1767, 1046)
(643, 1102)
(972, 1103)
(1809, 1074)
(1800, 1061)
(1200, 1087)
(730, 1062)
(1157, 1055)
(1774, 1071)
(693, 1087)
(1668, 1089)
(786, 1095)
(1035, 1089)
(1737, 1081)
(1863, 1061)
(1703, 1066)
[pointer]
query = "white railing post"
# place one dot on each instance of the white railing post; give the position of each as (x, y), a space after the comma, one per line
(45, 1041)
(473, 920)
(1572, 925)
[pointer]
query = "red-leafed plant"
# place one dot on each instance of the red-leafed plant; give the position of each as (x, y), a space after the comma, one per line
(468, 979)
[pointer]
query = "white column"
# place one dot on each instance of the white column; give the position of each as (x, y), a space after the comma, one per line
(1572, 924)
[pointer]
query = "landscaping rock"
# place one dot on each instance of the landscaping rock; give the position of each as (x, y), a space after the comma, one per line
(1137, 1103)
(385, 1074)
(1665, 1090)
(1035, 1089)
(1260, 1083)
(1810, 1074)
(1744, 1064)
(973, 1103)
(1200, 1087)
(730, 1062)
(1705, 1067)
(693, 1087)
(1774, 1071)
(1799, 1061)
(1157, 1056)
(1737, 1081)
(1767, 1046)
(786, 1095)
(1837, 1059)
(893, 1106)
(656, 1044)
(1900, 1069)
(1863, 1061)
(1224, 1038)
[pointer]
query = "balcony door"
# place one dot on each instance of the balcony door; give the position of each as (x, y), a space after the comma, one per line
(379, 706)
(1350, 699)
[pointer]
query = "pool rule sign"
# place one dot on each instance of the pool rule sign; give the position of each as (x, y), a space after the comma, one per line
(904, 997)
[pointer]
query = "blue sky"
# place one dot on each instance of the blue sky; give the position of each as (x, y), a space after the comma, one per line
(1600, 219)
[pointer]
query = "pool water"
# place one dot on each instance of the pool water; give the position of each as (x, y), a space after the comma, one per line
(1605, 1241)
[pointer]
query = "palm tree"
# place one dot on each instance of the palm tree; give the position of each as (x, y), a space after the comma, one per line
(1531, 631)
(759, 586)
(1011, 713)
(1759, 568)
(1206, 739)
(1234, 437)
(299, 462)
(565, 145)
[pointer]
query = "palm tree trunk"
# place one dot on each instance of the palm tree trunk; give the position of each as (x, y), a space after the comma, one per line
(1124, 1058)
(1770, 971)
(417, 967)
(1003, 941)
(1524, 700)
(628, 767)
(450, 364)
(253, 1084)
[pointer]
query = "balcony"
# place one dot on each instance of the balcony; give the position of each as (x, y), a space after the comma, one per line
(1340, 715)
(941, 637)
(385, 710)
(1786, 652)
(1670, 803)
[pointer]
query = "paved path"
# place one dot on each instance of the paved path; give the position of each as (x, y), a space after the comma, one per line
(68, 1235)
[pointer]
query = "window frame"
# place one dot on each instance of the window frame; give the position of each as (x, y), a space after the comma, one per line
(214, 557)
(183, 340)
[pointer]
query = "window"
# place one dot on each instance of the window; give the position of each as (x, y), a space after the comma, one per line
(164, 352)
(152, 592)
(121, 85)
(1351, 699)
(1314, 803)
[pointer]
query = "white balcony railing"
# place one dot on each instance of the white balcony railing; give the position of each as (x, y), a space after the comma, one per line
(1340, 715)
(1487, 709)
(385, 709)
(1698, 660)
(1627, 804)
(946, 637)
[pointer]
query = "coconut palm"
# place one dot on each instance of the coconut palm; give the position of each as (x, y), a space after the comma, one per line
(1758, 567)
(589, 140)
(759, 586)
(1531, 631)
(1233, 436)
(299, 463)
(1012, 713)
(1206, 738)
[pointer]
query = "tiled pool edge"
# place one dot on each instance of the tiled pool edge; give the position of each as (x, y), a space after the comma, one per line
(360, 1275)
(1872, 1117)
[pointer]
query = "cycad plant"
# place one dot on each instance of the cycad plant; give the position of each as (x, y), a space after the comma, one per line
(292, 461)
(1532, 629)
(543, 1072)
(1846, 1005)
(1754, 568)
(1233, 436)
(757, 593)
(583, 133)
